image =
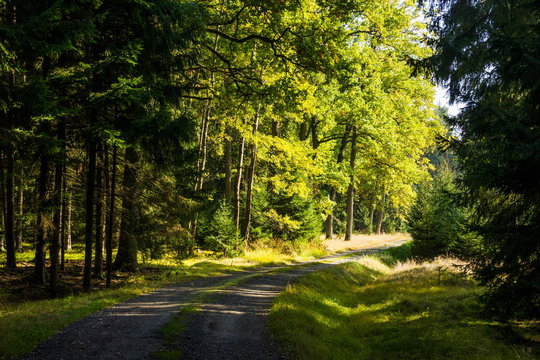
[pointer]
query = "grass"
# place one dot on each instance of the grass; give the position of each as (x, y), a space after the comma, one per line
(271, 252)
(381, 308)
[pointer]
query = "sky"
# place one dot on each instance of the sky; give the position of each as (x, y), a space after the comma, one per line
(441, 99)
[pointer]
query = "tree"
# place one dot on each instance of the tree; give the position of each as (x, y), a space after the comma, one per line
(486, 54)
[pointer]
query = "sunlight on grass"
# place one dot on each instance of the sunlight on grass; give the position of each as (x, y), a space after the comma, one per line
(369, 310)
(362, 241)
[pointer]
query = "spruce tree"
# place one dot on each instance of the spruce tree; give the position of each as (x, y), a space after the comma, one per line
(487, 54)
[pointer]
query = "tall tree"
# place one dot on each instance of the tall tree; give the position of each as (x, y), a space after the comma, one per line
(487, 56)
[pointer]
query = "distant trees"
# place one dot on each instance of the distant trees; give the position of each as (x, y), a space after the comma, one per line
(487, 54)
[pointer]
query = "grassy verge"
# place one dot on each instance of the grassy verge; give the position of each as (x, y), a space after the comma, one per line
(380, 308)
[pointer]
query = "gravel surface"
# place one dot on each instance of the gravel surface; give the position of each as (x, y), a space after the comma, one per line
(230, 326)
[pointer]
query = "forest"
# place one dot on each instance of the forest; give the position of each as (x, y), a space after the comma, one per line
(140, 129)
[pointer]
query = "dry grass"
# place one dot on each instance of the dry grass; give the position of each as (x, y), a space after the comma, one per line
(361, 241)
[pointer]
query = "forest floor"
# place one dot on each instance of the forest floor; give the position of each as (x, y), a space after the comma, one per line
(229, 324)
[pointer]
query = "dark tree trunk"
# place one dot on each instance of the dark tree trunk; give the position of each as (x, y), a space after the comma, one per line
(69, 214)
(57, 217)
(63, 242)
(203, 148)
(9, 224)
(20, 212)
(314, 134)
(2, 198)
(43, 179)
(89, 218)
(110, 223)
(302, 134)
(333, 193)
(251, 179)
(350, 190)
(238, 185)
(126, 258)
(41, 231)
(98, 260)
(380, 215)
(372, 216)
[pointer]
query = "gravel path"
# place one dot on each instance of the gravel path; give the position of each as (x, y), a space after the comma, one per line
(231, 326)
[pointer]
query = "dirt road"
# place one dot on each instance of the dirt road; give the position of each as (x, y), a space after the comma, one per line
(231, 326)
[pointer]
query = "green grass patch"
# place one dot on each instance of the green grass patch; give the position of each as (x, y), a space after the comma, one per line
(379, 308)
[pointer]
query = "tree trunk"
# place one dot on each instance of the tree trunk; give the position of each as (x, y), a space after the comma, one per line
(69, 211)
(126, 257)
(9, 224)
(43, 179)
(275, 128)
(333, 193)
(371, 217)
(251, 178)
(380, 215)
(110, 223)
(20, 212)
(203, 140)
(89, 218)
(238, 185)
(57, 217)
(98, 260)
(63, 222)
(302, 133)
(2, 198)
(350, 190)
(314, 135)
(228, 172)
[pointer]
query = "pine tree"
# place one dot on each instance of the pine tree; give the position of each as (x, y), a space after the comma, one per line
(487, 55)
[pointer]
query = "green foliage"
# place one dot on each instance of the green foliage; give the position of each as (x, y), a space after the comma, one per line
(437, 223)
(221, 235)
